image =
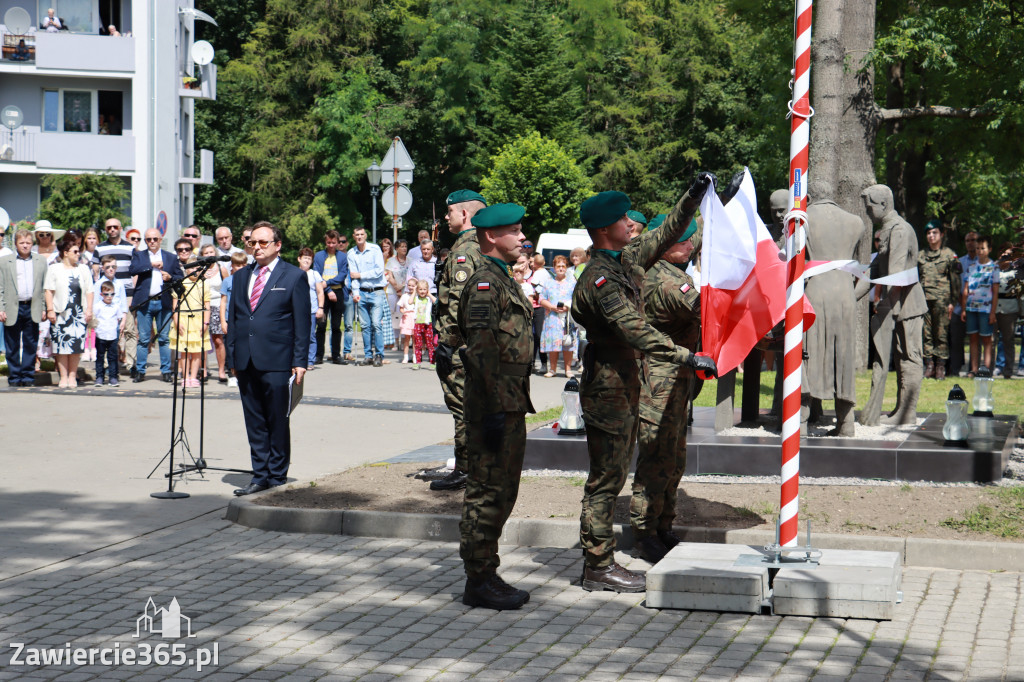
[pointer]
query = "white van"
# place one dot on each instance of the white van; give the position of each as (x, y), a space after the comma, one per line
(553, 244)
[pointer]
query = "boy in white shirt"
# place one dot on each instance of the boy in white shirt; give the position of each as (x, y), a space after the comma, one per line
(110, 319)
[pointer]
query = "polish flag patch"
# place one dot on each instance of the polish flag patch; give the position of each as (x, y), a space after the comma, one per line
(600, 281)
(483, 286)
(460, 259)
(684, 288)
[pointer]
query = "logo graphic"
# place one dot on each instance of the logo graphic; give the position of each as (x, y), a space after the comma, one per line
(163, 622)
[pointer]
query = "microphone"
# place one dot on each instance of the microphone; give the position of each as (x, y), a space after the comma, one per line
(208, 260)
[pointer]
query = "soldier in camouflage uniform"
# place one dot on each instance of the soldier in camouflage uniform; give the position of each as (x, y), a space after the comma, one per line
(940, 278)
(608, 303)
(672, 306)
(495, 320)
(462, 261)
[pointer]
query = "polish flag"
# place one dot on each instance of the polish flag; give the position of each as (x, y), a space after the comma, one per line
(742, 278)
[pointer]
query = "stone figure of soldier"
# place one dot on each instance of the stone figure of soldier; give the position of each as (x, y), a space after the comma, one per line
(900, 312)
(463, 260)
(830, 368)
(495, 321)
(608, 303)
(672, 306)
(939, 271)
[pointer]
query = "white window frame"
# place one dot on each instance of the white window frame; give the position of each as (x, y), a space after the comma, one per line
(93, 113)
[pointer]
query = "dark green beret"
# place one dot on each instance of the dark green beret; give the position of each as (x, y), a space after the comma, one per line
(601, 210)
(933, 224)
(499, 215)
(689, 231)
(656, 221)
(462, 195)
(636, 217)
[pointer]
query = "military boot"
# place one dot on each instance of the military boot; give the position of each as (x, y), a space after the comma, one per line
(650, 549)
(614, 578)
(929, 368)
(456, 480)
(940, 369)
(668, 538)
(493, 593)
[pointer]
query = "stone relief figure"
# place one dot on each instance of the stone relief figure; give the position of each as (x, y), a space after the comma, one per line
(900, 313)
(830, 367)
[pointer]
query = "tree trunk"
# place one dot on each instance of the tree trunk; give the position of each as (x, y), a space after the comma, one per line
(827, 98)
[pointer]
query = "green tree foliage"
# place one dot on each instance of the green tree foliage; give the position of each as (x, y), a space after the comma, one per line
(538, 174)
(76, 202)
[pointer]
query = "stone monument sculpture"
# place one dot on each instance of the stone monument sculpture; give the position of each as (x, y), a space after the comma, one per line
(900, 312)
(830, 367)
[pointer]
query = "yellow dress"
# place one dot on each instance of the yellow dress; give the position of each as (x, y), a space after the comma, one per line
(190, 318)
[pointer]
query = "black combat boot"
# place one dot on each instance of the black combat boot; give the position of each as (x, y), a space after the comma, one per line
(668, 538)
(456, 480)
(650, 549)
(493, 593)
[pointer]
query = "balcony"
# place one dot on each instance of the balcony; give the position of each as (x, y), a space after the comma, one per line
(75, 52)
(68, 151)
(201, 86)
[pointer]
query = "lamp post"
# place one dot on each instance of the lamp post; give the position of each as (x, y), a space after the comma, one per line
(373, 175)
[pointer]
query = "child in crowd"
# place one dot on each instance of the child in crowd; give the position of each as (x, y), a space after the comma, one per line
(316, 299)
(108, 273)
(110, 318)
(239, 259)
(407, 309)
(978, 301)
(423, 331)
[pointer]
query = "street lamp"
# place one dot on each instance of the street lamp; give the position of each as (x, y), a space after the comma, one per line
(373, 175)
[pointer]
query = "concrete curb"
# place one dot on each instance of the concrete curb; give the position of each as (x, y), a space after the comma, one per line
(925, 552)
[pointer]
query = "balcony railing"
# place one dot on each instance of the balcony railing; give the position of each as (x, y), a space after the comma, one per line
(73, 51)
(68, 151)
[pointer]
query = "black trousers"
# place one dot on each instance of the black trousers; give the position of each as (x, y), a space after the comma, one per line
(335, 312)
(265, 406)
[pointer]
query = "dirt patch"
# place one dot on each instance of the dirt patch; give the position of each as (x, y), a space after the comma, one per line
(887, 510)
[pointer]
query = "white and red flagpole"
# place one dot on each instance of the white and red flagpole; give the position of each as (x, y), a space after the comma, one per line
(800, 111)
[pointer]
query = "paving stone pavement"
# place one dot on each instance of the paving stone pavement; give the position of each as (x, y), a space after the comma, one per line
(304, 607)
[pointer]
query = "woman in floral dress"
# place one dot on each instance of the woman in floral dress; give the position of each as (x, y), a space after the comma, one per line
(68, 290)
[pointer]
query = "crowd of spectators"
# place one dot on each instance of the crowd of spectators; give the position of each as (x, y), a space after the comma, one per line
(71, 297)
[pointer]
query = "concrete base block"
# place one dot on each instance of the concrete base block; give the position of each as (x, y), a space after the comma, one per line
(435, 527)
(845, 583)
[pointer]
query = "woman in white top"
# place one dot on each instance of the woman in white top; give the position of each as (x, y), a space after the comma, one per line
(46, 245)
(68, 290)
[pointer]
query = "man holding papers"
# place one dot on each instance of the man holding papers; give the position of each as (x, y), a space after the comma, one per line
(267, 344)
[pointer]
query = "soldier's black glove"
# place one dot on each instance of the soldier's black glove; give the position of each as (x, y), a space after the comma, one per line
(702, 363)
(700, 186)
(494, 431)
(733, 188)
(443, 360)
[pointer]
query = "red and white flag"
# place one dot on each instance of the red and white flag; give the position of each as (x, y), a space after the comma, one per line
(742, 278)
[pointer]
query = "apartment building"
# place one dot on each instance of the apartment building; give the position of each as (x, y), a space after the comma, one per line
(92, 101)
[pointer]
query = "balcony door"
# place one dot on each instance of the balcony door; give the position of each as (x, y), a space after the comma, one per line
(69, 111)
(81, 16)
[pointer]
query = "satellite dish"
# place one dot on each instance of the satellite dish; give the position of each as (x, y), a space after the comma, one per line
(17, 21)
(202, 52)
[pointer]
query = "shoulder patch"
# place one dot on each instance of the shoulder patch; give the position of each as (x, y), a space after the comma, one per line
(483, 286)
(461, 275)
(460, 259)
(684, 288)
(479, 312)
(612, 302)
(600, 281)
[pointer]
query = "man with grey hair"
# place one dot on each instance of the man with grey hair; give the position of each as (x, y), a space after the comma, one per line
(425, 268)
(222, 238)
(416, 252)
(901, 311)
(22, 275)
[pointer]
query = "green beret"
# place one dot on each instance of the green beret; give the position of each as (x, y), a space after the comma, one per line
(656, 221)
(499, 215)
(601, 210)
(462, 195)
(933, 224)
(636, 217)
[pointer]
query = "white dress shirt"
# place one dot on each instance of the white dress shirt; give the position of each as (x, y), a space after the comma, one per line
(25, 272)
(256, 272)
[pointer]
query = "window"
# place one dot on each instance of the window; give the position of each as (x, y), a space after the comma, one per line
(80, 15)
(69, 111)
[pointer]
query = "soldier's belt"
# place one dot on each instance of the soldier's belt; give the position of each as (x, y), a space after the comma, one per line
(615, 353)
(514, 369)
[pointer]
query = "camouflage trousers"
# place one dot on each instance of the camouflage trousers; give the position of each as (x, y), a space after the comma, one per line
(612, 420)
(662, 458)
(492, 487)
(936, 330)
(454, 388)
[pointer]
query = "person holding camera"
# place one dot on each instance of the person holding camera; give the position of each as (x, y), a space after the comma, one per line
(558, 336)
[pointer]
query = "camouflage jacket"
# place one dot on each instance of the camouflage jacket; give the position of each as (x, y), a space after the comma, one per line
(939, 273)
(463, 260)
(672, 306)
(608, 302)
(496, 321)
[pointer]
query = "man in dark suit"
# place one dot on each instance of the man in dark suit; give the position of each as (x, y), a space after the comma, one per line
(21, 307)
(154, 268)
(267, 343)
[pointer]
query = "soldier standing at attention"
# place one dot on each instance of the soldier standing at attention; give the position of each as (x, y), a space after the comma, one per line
(608, 303)
(463, 260)
(672, 306)
(940, 279)
(495, 320)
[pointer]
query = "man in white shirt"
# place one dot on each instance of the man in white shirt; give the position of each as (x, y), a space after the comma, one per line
(152, 301)
(51, 23)
(426, 267)
(416, 253)
(223, 238)
(21, 307)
